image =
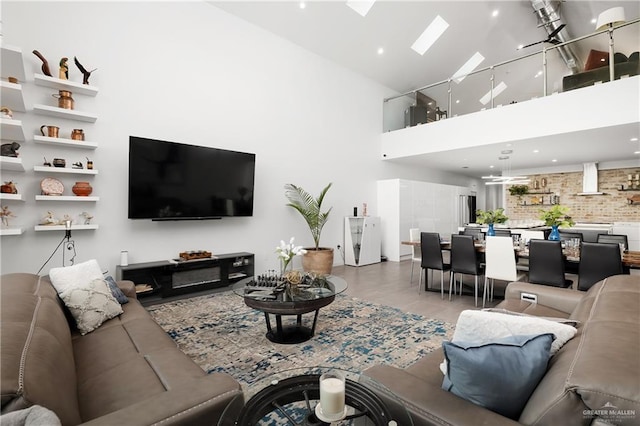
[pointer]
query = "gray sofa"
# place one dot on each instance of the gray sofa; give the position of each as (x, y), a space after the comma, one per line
(127, 372)
(593, 379)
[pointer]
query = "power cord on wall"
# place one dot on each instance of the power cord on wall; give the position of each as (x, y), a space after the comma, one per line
(69, 245)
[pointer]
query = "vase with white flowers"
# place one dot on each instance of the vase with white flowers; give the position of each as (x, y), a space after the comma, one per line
(286, 253)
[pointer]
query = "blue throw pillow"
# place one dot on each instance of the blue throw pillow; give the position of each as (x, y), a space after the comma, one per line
(500, 376)
(115, 290)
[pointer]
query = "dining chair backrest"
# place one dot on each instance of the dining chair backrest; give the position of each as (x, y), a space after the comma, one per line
(502, 232)
(475, 232)
(597, 262)
(564, 235)
(500, 259)
(463, 255)
(414, 236)
(546, 263)
(614, 239)
(431, 251)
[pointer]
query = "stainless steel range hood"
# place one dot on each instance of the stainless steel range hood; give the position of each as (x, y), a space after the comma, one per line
(590, 180)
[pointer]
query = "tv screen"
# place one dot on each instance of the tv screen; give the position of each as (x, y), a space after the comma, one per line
(177, 181)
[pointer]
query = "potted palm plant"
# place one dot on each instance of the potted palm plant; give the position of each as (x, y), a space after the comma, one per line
(316, 259)
(556, 217)
(491, 217)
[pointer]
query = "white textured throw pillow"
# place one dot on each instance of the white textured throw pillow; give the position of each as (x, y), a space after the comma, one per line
(85, 293)
(485, 327)
(82, 273)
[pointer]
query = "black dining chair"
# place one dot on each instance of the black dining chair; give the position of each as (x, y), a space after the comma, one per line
(502, 232)
(474, 232)
(432, 258)
(464, 260)
(597, 262)
(546, 263)
(614, 239)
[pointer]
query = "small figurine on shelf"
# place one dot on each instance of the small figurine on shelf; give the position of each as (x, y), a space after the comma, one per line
(85, 74)
(45, 64)
(77, 165)
(6, 112)
(9, 149)
(46, 162)
(9, 188)
(364, 209)
(89, 163)
(66, 218)
(86, 216)
(48, 219)
(63, 74)
(6, 214)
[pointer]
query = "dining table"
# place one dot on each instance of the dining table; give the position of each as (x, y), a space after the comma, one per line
(630, 258)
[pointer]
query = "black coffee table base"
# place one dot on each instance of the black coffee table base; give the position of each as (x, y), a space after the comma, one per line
(290, 334)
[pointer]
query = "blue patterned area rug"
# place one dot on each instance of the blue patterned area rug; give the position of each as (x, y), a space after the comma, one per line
(220, 333)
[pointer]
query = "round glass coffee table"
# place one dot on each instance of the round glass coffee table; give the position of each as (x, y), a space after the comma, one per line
(290, 398)
(289, 300)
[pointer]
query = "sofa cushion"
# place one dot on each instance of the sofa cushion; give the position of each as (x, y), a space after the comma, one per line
(37, 362)
(68, 276)
(598, 369)
(500, 375)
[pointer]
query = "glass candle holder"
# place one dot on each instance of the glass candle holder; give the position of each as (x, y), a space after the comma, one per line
(332, 397)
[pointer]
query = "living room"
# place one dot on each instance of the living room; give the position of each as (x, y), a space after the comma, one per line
(192, 73)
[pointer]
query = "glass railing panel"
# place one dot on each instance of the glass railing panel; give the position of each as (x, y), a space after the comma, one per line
(519, 80)
(567, 67)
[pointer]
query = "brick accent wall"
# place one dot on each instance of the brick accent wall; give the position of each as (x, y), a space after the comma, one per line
(612, 207)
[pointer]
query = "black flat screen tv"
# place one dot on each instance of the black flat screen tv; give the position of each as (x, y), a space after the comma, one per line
(177, 181)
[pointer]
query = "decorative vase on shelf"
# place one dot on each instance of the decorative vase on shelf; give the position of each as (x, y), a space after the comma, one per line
(554, 235)
(82, 189)
(491, 232)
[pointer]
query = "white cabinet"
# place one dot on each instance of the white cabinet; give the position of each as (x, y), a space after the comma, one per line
(361, 240)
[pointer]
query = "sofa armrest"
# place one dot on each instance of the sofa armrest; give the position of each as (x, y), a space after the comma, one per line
(128, 288)
(560, 299)
(193, 403)
(428, 405)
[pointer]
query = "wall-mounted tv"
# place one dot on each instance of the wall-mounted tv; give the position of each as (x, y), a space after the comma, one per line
(177, 181)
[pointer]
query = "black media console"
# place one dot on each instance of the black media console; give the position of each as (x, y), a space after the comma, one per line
(165, 280)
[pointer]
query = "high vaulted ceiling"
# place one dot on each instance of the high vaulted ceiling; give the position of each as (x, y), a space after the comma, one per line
(492, 28)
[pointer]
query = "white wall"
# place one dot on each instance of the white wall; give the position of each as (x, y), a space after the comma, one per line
(189, 72)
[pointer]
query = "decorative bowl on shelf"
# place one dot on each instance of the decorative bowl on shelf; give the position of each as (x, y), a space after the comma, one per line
(51, 186)
(82, 189)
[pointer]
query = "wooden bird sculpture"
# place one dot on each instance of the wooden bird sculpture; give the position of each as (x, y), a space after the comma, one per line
(64, 69)
(86, 74)
(45, 64)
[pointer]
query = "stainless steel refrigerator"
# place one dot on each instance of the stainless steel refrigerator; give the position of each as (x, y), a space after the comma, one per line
(466, 209)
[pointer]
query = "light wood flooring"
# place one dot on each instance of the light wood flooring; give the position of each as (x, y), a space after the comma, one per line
(387, 283)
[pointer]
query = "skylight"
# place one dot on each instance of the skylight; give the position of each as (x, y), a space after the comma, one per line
(469, 66)
(496, 91)
(362, 7)
(433, 32)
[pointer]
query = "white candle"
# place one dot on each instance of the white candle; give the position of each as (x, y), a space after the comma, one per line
(332, 393)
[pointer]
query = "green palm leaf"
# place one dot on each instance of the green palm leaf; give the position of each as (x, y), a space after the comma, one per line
(309, 207)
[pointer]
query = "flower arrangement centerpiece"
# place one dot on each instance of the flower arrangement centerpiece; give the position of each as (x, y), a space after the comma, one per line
(286, 253)
(556, 217)
(491, 217)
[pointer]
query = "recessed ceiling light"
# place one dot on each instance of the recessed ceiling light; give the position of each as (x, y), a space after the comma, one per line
(636, 152)
(457, 101)
(554, 160)
(380, 50)
(496, 91)
(594, 20)
(468, 66)
(361, 7)
(491, 167)
(535, 151)
(495, 13)
(538, 74)
(303, 5)
(520, 46)
(429, 36)
(633, 139)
